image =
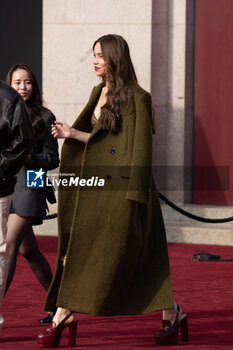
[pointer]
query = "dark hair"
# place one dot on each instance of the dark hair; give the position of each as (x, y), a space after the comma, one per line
(34, 102)
(120, 75)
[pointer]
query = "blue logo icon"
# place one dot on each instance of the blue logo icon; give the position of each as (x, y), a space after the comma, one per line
(35, 178)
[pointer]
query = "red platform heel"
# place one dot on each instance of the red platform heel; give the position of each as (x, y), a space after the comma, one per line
(51, 338)
(169, 334)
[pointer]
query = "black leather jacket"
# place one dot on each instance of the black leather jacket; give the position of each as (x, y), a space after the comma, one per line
(16, 137)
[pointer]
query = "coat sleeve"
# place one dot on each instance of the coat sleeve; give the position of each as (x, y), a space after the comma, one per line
(141, 162)
(48, 157)
(20, 136)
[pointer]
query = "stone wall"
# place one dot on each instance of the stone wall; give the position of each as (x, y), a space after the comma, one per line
(156, 33)
(69, 29)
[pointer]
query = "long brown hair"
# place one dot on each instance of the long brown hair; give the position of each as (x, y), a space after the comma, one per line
(34, 102)
(120, 75)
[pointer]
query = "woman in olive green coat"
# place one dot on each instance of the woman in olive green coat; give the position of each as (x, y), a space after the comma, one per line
(112, 252)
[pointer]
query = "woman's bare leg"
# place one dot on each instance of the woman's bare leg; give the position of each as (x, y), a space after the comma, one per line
(170, 315)
(60, 314)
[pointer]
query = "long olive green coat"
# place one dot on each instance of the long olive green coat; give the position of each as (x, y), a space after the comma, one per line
(112, 252)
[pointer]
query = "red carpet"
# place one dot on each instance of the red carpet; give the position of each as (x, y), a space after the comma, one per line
(204, 289)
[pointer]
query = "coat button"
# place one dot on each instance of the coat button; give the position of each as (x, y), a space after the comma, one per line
(112, 151)
(109, 177)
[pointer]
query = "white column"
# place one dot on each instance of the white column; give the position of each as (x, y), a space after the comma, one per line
(169, 95)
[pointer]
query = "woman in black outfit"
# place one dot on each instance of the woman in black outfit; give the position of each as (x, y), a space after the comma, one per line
(29, 204)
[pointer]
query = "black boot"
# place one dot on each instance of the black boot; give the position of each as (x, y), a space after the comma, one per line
(48, 318)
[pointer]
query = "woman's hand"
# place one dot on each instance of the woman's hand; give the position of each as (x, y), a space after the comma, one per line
(61, 130)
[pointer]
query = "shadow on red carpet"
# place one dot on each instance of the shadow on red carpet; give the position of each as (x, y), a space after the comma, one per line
(203, 289)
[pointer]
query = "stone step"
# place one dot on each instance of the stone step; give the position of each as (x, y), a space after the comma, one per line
(182, 229)
(199, 233)
(49, 228)
(207, 211)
